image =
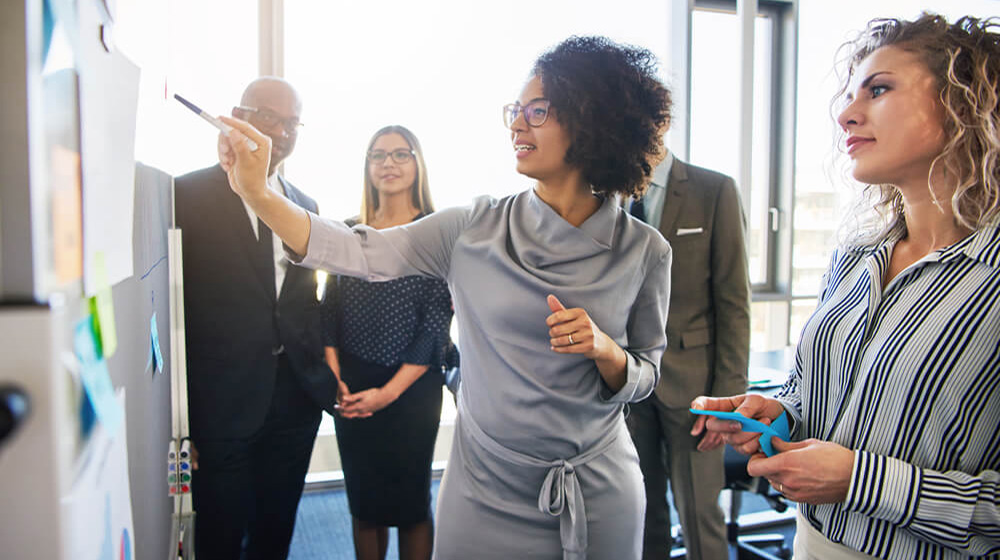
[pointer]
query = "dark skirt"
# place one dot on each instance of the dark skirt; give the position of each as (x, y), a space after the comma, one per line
(387, 456)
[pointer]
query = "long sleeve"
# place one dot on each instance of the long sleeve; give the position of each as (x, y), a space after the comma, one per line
(422, 247)
(647, 339)
(730, 294)
(907, 375)
(428, 344)
(954, 509)
(790, 394)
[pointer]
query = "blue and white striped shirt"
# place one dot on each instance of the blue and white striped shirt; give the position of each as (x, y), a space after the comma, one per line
(909, 378)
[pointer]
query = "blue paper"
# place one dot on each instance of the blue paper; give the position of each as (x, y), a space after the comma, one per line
(778, 429)
(154, 334)
(95, 377)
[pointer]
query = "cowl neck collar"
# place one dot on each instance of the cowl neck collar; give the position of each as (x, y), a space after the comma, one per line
(541, 237)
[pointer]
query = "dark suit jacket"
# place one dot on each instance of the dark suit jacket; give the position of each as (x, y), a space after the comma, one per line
(708, 327)
(234, 322)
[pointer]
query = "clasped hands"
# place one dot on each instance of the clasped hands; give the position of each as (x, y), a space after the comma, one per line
(361, 404)
(810, 471)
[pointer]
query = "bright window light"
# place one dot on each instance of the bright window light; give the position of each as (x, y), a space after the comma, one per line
(441, 68)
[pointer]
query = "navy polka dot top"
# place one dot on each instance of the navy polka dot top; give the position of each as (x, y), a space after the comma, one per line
(406, 320)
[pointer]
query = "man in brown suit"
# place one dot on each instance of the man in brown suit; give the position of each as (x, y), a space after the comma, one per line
(708, 342)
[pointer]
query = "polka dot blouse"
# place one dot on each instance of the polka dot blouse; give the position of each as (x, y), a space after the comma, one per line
(406, 320)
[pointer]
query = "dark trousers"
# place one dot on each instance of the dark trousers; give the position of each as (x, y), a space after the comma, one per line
(249, 489)
(667, 451)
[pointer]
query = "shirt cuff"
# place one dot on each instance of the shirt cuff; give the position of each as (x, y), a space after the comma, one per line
(296, 258)
(794, 417)
(633, 376)
(883, 488)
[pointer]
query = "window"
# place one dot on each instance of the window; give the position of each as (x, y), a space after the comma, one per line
(715, 77)
(714, 141)
(443, 69)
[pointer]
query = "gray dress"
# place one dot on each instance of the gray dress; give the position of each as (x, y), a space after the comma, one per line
(542, 465)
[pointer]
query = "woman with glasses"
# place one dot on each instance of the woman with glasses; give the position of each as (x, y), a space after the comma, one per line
(561, 298)
(386, 342)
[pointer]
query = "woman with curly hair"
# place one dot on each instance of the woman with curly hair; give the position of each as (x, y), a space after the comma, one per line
(561, 301)
(895, 395)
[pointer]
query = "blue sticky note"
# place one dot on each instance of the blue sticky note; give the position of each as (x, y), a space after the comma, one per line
(94, 376)
(778, 429)
(155, 336)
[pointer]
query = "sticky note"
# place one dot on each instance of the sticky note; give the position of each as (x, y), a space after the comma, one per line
(155, 341)
(779, 428)
(94, 376)
(103, 309)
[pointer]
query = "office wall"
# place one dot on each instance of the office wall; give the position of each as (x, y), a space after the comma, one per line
(42, 293)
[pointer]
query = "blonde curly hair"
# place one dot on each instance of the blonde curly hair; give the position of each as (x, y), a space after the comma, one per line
(965, 58)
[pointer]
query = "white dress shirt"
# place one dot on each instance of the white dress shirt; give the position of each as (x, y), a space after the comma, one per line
(280, 262)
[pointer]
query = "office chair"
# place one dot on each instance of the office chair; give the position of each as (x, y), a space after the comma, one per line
(751, 547)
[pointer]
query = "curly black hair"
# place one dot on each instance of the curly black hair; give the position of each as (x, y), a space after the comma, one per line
(612, 105)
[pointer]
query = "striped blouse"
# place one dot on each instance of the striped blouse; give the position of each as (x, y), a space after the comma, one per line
(909, 378)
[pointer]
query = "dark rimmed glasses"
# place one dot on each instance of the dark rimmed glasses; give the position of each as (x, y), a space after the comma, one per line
(535, 113)
(264, 118)
(399, 156)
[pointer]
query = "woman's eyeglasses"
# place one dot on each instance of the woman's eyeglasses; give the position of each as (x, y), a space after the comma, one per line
(535, 113)
(399, 156)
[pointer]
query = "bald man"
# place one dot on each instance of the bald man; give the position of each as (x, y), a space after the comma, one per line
(257, 380)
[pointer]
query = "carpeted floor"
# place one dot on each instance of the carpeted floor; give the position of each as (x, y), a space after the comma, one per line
(323, 526)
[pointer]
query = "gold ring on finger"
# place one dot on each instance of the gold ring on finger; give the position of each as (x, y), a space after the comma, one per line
(570, 336)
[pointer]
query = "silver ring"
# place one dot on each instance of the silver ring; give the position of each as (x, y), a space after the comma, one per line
(781, 489)
(570, 336)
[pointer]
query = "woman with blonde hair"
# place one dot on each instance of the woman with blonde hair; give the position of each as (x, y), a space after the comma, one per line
(386, 343)
(895, 395)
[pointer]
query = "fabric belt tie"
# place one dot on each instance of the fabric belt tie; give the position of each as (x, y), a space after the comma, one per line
(560, 495)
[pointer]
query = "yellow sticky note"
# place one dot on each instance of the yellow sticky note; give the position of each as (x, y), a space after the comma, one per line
(102, 308)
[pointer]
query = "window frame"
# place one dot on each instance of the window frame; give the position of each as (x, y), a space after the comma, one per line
(776, 286)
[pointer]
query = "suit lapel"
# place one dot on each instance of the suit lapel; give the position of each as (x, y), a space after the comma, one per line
(234, 214)
(677, 188)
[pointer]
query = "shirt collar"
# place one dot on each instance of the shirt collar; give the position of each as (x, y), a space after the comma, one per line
(662, 171)
(600, 226)
(982, 245)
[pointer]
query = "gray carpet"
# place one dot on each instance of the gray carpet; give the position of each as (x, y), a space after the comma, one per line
(323, 527)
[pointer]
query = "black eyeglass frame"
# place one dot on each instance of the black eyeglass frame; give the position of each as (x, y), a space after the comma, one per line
(398, 156)
(512, 110)
(291, 125)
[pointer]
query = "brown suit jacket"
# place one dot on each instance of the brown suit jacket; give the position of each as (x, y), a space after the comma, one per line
(708, 327)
